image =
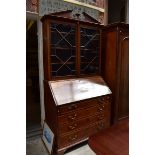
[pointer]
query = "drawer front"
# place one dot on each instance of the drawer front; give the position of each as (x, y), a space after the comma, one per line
(82, 104)
(81, 113)
(81, 134)
(79, 124)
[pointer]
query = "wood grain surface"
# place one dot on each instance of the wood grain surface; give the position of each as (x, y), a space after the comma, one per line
(67, 91)
(113, 140)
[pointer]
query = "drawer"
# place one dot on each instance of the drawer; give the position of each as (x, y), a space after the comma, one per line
(79, 124)
(82, 113)
(82, 104)
(79, 135)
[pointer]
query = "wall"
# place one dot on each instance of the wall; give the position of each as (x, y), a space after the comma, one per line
(32, 5)
(118, 11)
(51, 6)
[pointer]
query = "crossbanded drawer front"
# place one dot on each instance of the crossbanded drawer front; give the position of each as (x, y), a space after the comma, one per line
(76, 115)
(79, 124)
(81, 134)
(82, 104)
(77, 105)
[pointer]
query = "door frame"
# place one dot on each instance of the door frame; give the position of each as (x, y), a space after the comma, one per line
(35, 16)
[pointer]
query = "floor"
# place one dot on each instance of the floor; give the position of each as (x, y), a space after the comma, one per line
(36, 147)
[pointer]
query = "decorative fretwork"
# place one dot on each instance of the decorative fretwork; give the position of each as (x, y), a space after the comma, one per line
(89, 51)
(63, 50)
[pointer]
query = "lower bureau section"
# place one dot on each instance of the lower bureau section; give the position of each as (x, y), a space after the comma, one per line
(81, 134)
(75, 125)
(73, 122)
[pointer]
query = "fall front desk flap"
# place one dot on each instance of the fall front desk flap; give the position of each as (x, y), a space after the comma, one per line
(72, 90)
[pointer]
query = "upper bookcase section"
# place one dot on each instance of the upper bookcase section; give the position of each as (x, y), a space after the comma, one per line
(71, 48)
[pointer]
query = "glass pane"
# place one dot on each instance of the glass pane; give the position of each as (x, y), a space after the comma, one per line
(63, 50)
(89, 51)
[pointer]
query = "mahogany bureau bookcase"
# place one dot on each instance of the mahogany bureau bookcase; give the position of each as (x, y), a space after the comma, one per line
(77, 99)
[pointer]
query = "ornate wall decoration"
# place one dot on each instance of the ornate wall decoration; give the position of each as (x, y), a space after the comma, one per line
(52, 6)
(32, 5)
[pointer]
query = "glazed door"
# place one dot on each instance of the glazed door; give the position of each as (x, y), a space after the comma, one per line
(89, 51)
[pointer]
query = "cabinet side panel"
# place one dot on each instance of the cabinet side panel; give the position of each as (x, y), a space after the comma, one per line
(50, 111)
(123, 106)
(46, 50)
(109, 63)
(109, 58)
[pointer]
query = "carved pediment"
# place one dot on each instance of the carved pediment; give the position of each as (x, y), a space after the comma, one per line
(77, 16)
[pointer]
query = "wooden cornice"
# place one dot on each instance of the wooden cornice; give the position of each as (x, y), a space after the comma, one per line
(62, 13)
(56, 16)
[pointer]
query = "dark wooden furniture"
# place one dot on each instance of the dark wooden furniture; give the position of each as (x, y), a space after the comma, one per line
(77, 100)
(115, 67)
(73, 48)
(113, 140)
(75, 109)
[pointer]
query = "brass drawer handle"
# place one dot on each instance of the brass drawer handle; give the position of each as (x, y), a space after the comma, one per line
(73, 138)
(100, 109)
(71, 127)
(72, 117)
(74, 106)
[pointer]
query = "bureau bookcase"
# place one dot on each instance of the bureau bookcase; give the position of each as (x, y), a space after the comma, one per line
(77, 99)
